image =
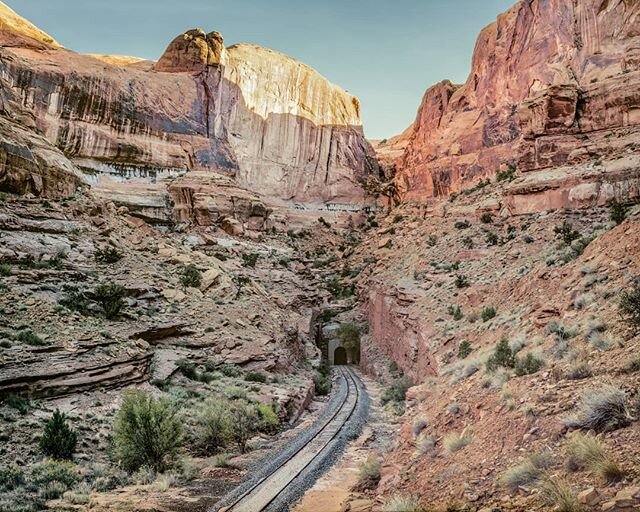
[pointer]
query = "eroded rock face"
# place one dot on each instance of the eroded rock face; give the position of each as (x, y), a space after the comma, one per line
(192, 51)
(533, 101)
(270, 123)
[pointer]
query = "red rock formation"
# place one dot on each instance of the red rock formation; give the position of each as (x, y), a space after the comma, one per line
(274, 125)
(553, 83)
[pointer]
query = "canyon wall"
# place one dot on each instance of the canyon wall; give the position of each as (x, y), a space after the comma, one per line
(554, 91)
(269, 123)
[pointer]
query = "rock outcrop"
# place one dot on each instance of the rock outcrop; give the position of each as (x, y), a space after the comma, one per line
(273, 125)
(536, 102)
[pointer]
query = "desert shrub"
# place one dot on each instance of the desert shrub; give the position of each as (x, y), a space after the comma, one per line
(587, 451)
(147, 431)
(187, 368)
(520, 475)
(455, 312)
(74, 299)
(110, 296)
(580, 371)
(491, 238)
(488, 313)
(191, 277)
(600, 342)
(17, 402)
(419, 424)
(108, 255)
(558, 493)
(528, 365)
(502, 356)
(52, 490)
(213, 429)
(562, 332)
(229, 370)
(322, 384)
(486, 218)
(506, 175)
(425, 445)
(455, 442)
(632, 366)
(461, 281)
(30, 338)
(464, 349)
(322, 221)
(11, 477)
(462, 224)
(268, 420)
(58, 440)
(51, 470)
(349, 334)
(5, 270)
(81, 495)
(566, 232)
(368, 474)
(617, 212)
(255, 376)
(165, 481)
(467, 242)
(396, 391)
(601, 409)
(432, 241)
(629, 307)
(250, 260)
(244, 423)
(402, 503)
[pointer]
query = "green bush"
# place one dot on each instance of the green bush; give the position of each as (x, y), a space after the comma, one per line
(464, 349)
(566, 232)
(244, 423)
(528, 365)
(462, 224)
(268, 420)
(11, 477)
(74, 299)
(187, 368)
(229, 370)
(255, 376)
(146, 432)
(214, 426)
(30, 338)
(629, 307)
(58, 440)
(461, 281)
(322, 384)
(368, 474)
(5, 270)
(396, 391)
(455, 312)
(467, 242)
(502, 356)
(110, 296)
(508, 175)
(250, 260)
(108, 255)
(52, 470)
(17, 402)
(191, 277)
(486, 218)
(488, 313)
(617, 212)
(492, 238)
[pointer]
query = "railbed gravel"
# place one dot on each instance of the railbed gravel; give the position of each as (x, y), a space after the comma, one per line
(320, 465)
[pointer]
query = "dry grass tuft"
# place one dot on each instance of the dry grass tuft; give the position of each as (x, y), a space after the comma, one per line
(455, 442)
(602, 410)
(587, 451)
(557, 493)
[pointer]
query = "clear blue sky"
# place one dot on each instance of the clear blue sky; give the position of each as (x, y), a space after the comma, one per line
(386, 52)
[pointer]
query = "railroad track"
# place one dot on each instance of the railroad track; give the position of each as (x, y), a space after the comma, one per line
(266, 490)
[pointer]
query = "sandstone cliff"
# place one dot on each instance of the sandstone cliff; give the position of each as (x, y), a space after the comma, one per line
(554, 84)
(271, 124)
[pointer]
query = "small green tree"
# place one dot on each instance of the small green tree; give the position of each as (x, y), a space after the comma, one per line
(191, 276)
(214, 426)
(566, 232)
(617, 212)
(502, 356)
(464, 349)
(629, 307)
(244, 423)
(146, 432)
(528, 365)
(110, 296)
(58, 439)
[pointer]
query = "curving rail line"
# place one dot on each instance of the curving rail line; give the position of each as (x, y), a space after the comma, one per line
(258, 497)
